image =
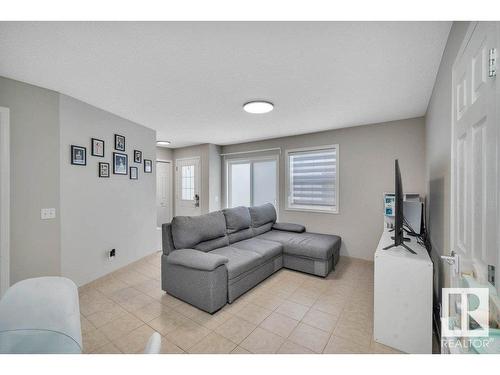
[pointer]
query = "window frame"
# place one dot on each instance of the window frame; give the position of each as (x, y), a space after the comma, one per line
(191, 178)
(287, 178)
(251, 160)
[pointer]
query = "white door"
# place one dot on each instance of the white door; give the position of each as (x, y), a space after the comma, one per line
(187, 191)
(163, 192)
(475, 167)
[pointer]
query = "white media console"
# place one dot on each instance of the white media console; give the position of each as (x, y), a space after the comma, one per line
(403, 296)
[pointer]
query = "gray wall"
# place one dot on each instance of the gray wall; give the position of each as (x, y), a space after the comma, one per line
(366, 171)
(438, 153)
(98, 214)
(164, 153)
(214, 177)
(34, 145)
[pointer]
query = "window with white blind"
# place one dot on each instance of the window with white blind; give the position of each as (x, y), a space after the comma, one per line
(312, 179)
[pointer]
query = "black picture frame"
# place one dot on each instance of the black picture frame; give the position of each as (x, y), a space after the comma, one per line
(94, 147)
(119, 142)
(134, 173)
(148, 166)
(104, 170)
(137, 156)
(120, 163)
(78, 155)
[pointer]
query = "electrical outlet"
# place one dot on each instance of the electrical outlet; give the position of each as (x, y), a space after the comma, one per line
(47, 213)
(112, 254)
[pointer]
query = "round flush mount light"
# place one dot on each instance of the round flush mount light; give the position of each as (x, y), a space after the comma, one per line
(258, 107)
(162, 143)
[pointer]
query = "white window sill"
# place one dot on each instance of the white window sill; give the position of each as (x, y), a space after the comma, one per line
(318, 211)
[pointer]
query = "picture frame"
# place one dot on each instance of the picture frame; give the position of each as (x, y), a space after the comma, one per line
(134, 173)
(104, 170)
(97, 147)
(120, 163)
(119, 142)
(137, 156)
(148, 166)
(78, 155)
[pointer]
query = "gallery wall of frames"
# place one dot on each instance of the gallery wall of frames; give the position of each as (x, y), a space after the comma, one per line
(119, 164)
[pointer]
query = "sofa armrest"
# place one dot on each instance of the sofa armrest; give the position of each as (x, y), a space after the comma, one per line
(196, 259)
(166, 238)
(289, 227)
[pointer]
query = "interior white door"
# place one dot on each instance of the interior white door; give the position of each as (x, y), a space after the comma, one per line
(475, 145)
(163, 192)
(187, 192)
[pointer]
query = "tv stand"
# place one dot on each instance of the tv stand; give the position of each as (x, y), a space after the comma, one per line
(403, 296)
(405, 239)
(402, 244)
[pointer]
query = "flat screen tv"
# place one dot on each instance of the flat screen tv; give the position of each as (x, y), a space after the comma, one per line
(398, 212)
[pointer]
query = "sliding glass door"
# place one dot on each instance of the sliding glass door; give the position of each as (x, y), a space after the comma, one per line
(252, 182)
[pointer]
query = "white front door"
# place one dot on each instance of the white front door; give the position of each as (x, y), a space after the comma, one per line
(187, 190)
(163, 192)
(475, 146)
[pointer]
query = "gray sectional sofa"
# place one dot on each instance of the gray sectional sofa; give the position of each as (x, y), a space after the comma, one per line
(212, 259)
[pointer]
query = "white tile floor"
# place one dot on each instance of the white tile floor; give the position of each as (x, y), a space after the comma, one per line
(290, 312)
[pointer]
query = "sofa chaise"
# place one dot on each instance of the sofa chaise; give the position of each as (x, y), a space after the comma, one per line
(212, 259)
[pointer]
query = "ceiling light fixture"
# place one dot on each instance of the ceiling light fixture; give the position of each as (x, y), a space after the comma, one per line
(162, 143)
(258, 107)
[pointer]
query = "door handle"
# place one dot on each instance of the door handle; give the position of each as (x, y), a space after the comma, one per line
(450, 259)
(453, 260)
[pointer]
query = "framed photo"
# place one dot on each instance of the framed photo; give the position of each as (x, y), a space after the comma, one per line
(103, 169)
(119, 142)
(148, 166)
(134, 172)
(97, 148)
(78, 155)
(120, 163)
(137, 156)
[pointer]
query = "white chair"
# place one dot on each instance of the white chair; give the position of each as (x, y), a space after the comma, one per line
(154, 344)
(41, 316)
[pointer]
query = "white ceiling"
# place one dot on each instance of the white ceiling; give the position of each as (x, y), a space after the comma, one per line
(189, 80)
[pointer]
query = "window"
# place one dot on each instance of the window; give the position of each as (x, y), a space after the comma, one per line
(312, 179)
(187, 182)
(252, 182)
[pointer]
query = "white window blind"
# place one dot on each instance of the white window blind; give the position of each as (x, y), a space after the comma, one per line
(312, 179)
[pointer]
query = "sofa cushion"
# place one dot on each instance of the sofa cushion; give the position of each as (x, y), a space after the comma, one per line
(237, 218)
(240, 261)
(306, 245)
(241, 235)
(212, 244)
(196, 259)
(188, 231)
(262, 215)
(268, 249)
(289, 227)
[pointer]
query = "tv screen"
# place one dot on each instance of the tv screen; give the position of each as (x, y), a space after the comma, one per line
(398, 238)
(398, 207)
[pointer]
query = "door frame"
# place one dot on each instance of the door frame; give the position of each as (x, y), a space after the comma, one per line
(251, 160)
(4, 199)
(171, 195)
(177, 181)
